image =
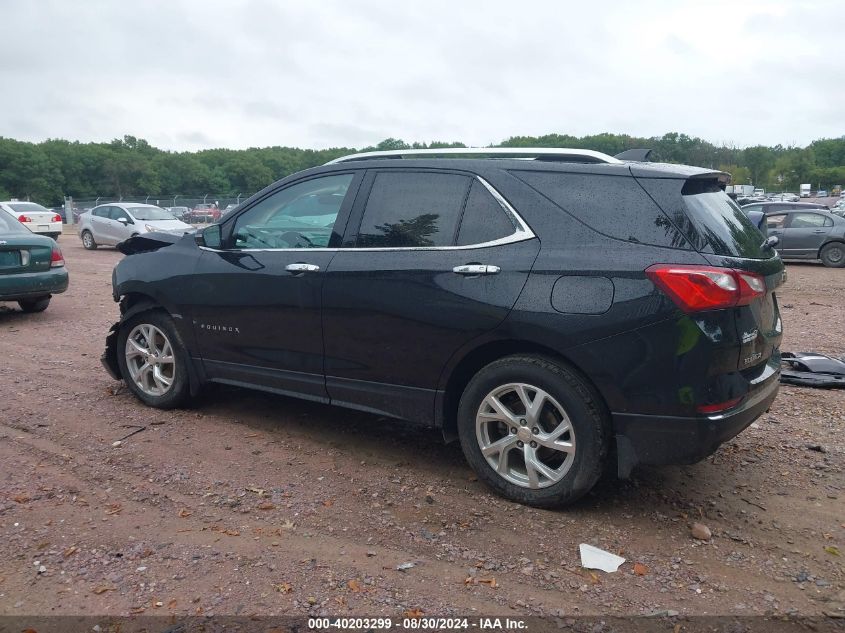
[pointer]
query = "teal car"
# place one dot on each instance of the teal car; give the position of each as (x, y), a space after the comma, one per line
(32, 268)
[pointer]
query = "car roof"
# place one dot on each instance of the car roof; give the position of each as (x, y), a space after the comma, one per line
(792, 205)
(126, 204)
(618, 168)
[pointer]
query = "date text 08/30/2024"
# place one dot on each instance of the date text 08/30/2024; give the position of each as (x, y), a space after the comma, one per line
(418, 623)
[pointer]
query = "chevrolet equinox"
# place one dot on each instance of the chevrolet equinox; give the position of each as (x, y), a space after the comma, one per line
(551, 309)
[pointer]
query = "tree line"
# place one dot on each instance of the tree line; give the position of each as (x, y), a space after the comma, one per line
(48, 171)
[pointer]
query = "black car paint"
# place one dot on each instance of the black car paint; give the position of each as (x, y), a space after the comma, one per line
(397, 333)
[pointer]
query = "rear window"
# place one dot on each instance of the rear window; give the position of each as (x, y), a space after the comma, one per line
(10, 225)
(725, 229)
(23, 207)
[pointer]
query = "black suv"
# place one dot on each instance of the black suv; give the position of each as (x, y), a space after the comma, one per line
(549, 308)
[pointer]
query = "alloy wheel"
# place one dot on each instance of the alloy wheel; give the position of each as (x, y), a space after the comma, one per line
(525, 435)
(149, 358)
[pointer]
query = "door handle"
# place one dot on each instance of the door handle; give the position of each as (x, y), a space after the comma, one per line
(302, 268)
(476, 269)
(819, 231)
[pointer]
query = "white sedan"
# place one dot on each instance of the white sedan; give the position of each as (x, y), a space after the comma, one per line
(34, 217)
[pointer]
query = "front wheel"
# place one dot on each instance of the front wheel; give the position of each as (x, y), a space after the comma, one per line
(153, 360)
(534, 430)
(833, 255)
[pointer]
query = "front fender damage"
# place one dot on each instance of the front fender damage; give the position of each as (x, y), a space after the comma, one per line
(109, 357)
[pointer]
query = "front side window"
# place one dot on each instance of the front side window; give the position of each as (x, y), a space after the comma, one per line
(775, 221)
(150, 213)
(117, 213)
(413, 209)
(299, 216)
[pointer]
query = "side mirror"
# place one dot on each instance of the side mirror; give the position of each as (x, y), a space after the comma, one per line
(124, 221)
(209, 237)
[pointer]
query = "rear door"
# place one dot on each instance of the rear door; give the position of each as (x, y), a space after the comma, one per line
(432, 260)
(805, 233)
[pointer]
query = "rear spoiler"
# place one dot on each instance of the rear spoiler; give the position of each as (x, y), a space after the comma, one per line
(638, 155)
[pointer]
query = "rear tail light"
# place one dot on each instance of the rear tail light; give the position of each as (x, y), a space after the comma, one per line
(57, 218)
(56, 259)
(23, 218)
(698, 288)
(710, 409)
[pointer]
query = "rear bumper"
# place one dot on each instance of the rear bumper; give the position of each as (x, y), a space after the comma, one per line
(658, 440)
(30, 285)
(45, 228)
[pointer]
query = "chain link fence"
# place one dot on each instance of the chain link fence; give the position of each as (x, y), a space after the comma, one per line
(194, 209)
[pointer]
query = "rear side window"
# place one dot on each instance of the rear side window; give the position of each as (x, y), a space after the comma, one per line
(809, 220)
(484, 219)
(615, 206)
(725, 229)
(102, 212)
(408, 209)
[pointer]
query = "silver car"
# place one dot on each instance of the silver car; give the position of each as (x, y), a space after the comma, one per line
(112, 223)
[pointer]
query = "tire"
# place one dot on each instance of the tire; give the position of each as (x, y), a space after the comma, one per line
(833, 255)
(34, 305)
(567, 401)
(170, 386)
(88, 241)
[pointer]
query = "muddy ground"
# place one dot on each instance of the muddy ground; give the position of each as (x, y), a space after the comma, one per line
(256, 504)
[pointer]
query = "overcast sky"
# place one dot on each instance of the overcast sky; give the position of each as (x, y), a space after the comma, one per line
(188, 75)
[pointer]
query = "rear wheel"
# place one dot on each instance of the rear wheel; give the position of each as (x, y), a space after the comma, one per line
(88, 241)
(153, 360)
(833, 255)
(34, 305)
(533, 430)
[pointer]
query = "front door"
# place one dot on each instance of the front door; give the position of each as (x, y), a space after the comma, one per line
(775, 227)
(257, 300)
(438, 261)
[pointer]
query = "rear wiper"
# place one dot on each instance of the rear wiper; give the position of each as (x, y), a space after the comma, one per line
(770, 242)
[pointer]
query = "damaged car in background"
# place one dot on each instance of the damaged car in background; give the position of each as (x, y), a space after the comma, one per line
(553, 310)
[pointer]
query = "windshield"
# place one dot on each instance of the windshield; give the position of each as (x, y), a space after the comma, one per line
(726, 229)
(10, 225)
(24, 207)
(150, 213)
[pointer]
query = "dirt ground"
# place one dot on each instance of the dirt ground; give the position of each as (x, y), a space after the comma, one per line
(255, 504)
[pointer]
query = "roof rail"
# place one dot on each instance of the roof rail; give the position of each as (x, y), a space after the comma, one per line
(536, 153)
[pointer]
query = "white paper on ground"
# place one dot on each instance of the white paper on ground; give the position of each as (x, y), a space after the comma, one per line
(595, 558)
